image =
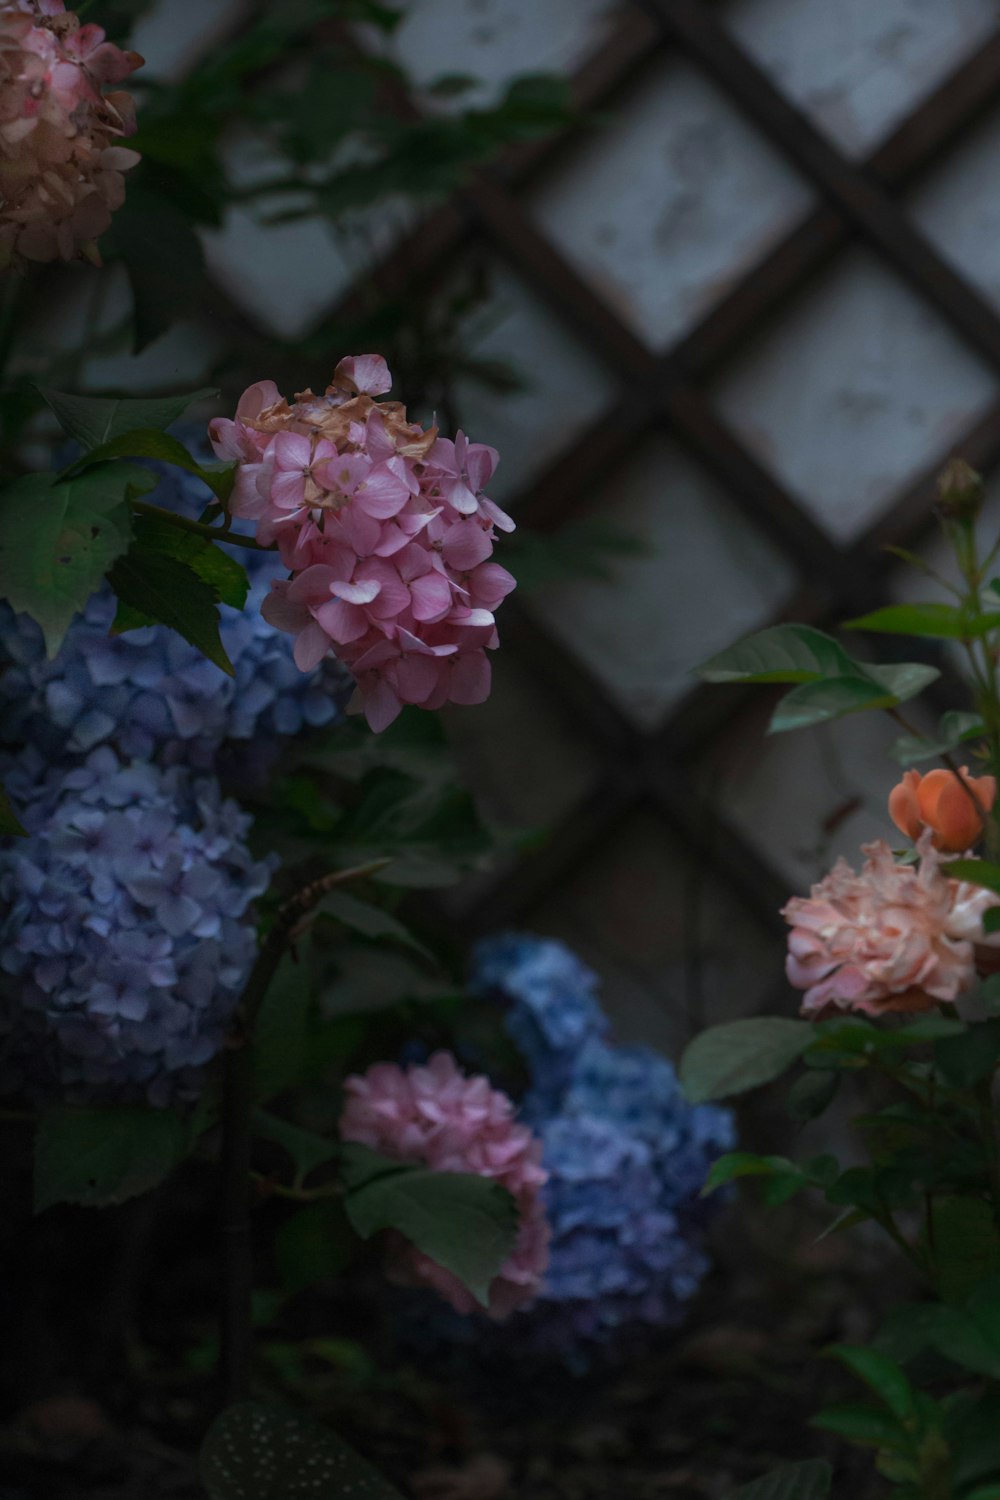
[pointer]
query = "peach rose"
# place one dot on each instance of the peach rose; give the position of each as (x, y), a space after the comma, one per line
(942, 803)
(882, 940)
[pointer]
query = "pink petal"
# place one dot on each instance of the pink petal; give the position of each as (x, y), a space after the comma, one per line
(492, 512)
(381, 704)
(313, 584)
(416, 677)
(281, 612)
(256, 398)
(466, 545)
(292, 450)
(431, 596)
(362, 592)
(342, 622)
(385, 491)
(470, 678)
(368, 373)
(311, 647)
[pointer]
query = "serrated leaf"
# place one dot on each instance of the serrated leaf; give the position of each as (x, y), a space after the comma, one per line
(466, 1223)
(741, 1055)
(782, 653)
(93, 420)
(258, 1452)
(809, 1480)
(215, 567)
(59, 537)
(945, 622)
(149, 442)
(10, 826)
(160, 588)
(97, 1157)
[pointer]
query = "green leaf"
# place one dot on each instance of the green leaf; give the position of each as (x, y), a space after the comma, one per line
(98, 1157)
(813, 1093)
(225, 576)
(9, 824)
(809, 1480)
(869, 687)
(782, 653)
(966, 1245)
(164, 260)
(955, 727)
(976, 871)
(741, 1055)
(258, 1452)
(149, 442)
(59, 537)
(371, 921)
(862, 1424)
(153, 586)
(313, 1245)
(281, 1032)
(464, 1222)
(746, 1164)
(944, 622)
(93, 420)
(966, 1060)
(308, 1151)
(881, 1374)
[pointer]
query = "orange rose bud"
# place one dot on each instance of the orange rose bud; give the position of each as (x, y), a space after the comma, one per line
(939, 802)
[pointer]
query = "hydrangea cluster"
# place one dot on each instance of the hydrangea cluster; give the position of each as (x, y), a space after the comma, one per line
(439, 1117)
(550, 1002)
(60, 162)
(896, 937)
(124, 943)
(151, 693)
(386, 532)
(626, 1156)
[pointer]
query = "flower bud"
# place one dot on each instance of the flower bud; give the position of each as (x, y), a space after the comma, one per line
(953, 809)
(960, 491)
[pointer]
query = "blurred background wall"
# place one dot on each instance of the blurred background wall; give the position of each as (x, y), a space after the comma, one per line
(746, 306)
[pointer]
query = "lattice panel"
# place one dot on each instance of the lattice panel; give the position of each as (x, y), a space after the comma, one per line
(756, 297)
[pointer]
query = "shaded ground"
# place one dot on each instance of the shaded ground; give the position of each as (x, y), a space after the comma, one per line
(107, 1381)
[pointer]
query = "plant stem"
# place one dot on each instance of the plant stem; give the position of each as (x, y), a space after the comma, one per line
(199, 528)
(237, 1133)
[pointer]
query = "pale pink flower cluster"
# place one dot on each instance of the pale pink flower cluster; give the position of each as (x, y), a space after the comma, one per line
(440, 1118)
(60, 162)
(896, 937)
(386, 531)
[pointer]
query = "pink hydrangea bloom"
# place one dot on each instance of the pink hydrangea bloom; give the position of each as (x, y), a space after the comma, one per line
(60, 162)
(386, 533)
(892, 938)
(439, 1117)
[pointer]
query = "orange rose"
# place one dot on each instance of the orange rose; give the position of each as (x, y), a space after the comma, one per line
(940, 802)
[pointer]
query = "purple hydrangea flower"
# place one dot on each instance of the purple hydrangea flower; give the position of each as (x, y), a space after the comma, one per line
(126, 928)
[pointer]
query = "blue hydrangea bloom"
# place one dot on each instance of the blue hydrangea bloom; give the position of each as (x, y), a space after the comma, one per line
(126, 929)
(551, 1003)
(151, 693)
(626, 1154)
